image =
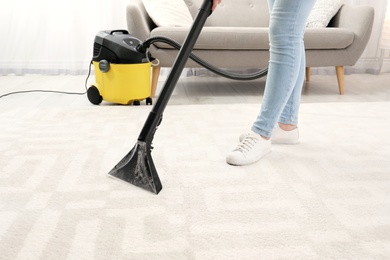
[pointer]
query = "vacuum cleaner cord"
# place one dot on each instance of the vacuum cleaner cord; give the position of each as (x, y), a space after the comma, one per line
(227, 74)
(53, 91)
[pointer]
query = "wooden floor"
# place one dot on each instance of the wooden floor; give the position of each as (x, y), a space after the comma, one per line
(208, 90)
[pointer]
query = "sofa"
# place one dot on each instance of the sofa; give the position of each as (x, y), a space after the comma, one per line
(236, 37)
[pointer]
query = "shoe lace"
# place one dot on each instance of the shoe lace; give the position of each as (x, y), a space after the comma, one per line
(247, 143)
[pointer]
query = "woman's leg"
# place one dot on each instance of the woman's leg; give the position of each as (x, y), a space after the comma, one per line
(271, 5)
(284, 80)
(286, 66)
(289, 114)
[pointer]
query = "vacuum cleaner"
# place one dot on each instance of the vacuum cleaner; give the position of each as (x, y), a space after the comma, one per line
(122, 73)
(137, 167)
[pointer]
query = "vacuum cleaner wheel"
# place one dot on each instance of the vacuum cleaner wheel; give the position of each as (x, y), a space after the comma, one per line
(148, 101)
(94, 95)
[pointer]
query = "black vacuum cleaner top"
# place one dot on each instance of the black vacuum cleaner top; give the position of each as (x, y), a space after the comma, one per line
(117, 46)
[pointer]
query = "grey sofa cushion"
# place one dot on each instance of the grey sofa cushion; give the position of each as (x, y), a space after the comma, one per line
(328, 38)
(226, 38)
(254, 38)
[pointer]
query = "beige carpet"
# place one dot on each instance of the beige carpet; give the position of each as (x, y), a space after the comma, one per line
(326, 198)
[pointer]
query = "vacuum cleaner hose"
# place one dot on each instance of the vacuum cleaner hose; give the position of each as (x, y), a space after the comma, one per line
(227, 74)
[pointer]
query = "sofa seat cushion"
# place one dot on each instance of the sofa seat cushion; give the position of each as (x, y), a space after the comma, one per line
(222, 38)
(328, 38)
(253, 38)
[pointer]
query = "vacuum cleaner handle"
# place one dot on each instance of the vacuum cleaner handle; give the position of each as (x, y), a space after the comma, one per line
(155, 115)
(116, 31)
(137, 167)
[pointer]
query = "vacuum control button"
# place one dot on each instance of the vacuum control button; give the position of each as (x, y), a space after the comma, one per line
(131, 42)
(104, 66)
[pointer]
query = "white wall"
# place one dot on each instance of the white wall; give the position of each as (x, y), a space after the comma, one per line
(49, 36)
(370, 60)
(56, 37)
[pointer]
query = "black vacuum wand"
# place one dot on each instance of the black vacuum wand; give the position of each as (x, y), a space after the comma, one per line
(137, 166)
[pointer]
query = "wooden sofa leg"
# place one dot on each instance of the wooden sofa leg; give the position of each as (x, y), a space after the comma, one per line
(308, 73)
(155, 76)
(340, 78)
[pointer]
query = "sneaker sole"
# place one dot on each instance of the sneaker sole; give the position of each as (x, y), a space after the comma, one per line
(247, 162)
(285, 141)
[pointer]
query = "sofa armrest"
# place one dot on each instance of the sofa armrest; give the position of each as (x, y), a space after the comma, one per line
(359, 20)
(139, 22)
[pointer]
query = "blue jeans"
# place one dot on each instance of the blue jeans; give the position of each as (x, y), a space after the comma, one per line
(286, 71)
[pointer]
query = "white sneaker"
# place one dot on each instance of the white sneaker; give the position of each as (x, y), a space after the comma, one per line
(280, 136)
(250, 150)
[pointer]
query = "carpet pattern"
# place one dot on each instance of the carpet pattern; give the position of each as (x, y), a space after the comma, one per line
(326, 198)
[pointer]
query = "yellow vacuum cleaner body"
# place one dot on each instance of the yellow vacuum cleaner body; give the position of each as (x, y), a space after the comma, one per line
(122, 73)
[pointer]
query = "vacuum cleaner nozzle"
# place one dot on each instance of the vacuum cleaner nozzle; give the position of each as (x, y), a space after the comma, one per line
(137, 168)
